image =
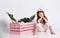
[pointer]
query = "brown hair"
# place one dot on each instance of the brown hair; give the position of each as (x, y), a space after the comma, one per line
(40, 17)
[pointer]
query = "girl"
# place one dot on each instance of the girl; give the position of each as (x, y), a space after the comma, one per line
(42, 23)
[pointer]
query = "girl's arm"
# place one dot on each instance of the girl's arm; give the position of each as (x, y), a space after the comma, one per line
(46, 20)
(39, 20)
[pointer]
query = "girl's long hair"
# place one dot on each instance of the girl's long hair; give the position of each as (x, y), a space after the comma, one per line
(40, 17)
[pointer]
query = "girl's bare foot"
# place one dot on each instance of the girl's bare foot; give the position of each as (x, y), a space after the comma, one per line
(53, 33)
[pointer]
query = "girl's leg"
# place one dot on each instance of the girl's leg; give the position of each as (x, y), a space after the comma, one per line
(36, 30)
(51, 30)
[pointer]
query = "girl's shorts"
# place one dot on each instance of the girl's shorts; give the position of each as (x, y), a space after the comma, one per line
(42, 28)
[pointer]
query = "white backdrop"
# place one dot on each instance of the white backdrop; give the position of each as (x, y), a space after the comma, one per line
(26, 8)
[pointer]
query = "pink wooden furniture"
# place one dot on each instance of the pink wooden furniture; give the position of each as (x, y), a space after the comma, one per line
(22, 28)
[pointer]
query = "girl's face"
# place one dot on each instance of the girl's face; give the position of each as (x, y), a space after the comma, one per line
(40, 14)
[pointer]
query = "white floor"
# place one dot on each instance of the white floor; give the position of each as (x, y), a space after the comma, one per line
(39, 35)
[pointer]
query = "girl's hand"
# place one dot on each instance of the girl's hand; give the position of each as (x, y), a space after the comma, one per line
(45, 19)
